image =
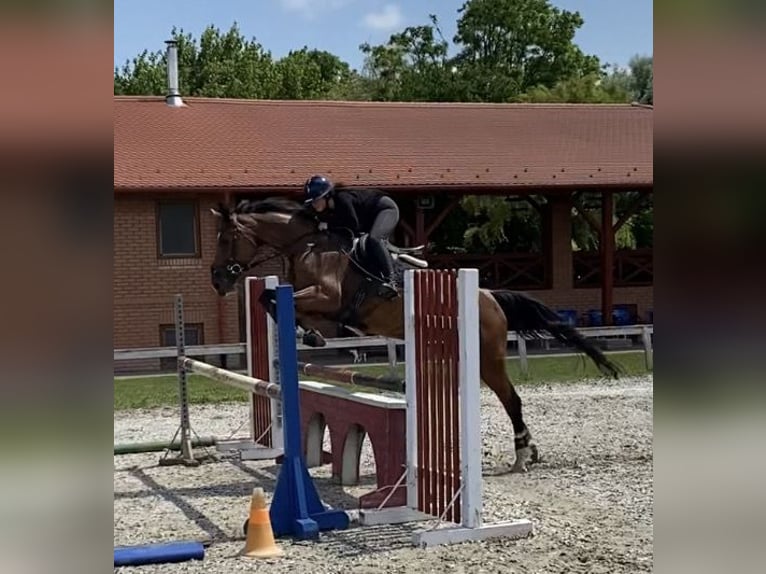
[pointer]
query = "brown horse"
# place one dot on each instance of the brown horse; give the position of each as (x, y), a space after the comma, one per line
(331, 283)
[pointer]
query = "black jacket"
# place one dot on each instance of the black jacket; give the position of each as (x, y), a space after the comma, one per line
(355, 209)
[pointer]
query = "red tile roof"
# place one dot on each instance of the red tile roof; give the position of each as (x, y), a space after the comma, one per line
(246, 144)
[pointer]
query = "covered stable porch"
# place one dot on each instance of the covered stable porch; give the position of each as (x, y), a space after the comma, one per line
(559, 275)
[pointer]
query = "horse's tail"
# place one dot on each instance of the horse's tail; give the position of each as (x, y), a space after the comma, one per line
(529, 317)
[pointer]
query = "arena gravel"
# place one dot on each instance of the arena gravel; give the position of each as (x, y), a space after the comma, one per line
(590, 497)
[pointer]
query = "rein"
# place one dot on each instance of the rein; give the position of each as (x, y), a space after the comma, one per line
(235, 269)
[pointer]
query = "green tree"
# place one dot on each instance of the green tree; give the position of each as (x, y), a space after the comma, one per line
(412, 66)
(635, 233)
(636, 81)
(227, 65)
(642, 79)
(501, 224)
(504, 48)
(219, 65)
(511, 46)
(311, 74)
(594, 88)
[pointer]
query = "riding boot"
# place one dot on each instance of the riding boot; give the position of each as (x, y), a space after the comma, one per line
(387, 286)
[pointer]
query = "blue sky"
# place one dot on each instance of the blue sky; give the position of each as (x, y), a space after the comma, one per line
(614, 30)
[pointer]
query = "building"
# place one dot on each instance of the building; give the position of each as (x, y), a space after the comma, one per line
(172, 163)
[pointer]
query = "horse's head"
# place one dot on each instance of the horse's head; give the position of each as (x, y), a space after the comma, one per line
(236, 248)
(242, 232)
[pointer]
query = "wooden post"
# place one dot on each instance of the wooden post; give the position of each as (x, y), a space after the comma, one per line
(607, 256)
(420, 226)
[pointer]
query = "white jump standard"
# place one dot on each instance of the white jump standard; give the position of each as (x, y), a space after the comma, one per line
(443, 474)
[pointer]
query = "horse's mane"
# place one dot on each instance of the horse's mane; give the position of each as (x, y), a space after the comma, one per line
(274, 205)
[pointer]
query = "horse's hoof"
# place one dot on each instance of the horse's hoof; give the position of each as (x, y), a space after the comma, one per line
(535, 453)
(313, 339)
(519, 467)
(523, 457)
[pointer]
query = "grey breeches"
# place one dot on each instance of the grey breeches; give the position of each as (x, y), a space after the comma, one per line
(386, 220)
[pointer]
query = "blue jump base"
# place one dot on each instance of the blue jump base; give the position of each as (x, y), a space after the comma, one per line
(296, 508)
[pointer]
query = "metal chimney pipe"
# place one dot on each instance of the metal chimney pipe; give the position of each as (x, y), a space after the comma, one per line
(173, 98)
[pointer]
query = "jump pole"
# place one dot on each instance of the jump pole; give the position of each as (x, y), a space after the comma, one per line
(296, 508)
(439, 428)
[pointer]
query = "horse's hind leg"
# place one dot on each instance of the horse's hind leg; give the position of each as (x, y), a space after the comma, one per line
(493, 373)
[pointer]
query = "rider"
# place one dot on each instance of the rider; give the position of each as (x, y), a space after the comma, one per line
(361, 211)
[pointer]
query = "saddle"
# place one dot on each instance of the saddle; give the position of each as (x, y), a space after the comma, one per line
(362, 256)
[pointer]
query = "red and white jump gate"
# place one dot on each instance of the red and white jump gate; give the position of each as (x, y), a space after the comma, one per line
(444, 480)
(443, 422)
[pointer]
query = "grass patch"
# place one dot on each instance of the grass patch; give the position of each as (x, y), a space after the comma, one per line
(573, 369)
(568, 369)
(162, 391)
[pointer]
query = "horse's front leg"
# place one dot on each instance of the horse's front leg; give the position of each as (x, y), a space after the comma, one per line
(317, 300)
(314, 305)
(310, 323)
(313, 327)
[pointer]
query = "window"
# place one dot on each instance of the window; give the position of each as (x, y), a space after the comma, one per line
(193, 335)
(177, 229)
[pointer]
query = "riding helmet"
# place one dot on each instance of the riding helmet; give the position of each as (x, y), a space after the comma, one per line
(316, 187)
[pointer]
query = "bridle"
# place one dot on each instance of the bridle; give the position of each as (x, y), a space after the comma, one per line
(235, 269)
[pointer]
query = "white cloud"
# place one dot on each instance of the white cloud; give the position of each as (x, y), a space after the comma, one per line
(311, 8)
(389, 18)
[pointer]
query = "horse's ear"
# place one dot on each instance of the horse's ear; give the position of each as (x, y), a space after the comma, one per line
(221, 211)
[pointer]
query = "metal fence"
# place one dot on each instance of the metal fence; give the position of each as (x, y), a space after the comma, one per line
(624, 332)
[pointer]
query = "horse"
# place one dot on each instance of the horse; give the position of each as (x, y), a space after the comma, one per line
(333, 285)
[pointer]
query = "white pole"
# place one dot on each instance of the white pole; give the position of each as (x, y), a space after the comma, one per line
(524, 364)
(470, 395)
(648, 353)
(250, 384)
(391, 348)
(410, 362)
(277, 434)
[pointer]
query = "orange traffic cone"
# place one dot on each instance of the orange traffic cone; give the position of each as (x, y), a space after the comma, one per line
(260, 537)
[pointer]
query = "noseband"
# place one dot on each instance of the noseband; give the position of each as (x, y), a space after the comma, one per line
(236, 269)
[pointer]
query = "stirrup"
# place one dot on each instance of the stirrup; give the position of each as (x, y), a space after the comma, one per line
(387, 290)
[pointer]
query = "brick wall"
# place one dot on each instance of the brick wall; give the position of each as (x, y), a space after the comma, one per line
(144, 285)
